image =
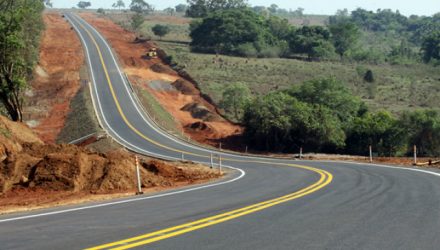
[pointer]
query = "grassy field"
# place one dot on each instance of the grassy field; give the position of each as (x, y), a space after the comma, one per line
(396, 87)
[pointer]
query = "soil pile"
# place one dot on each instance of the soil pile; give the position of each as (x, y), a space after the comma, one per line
(32, 170)
(56, 78)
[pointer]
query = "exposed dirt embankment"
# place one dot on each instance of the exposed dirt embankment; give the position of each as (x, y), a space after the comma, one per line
(196, 115)
(34, 174)
(56, 78)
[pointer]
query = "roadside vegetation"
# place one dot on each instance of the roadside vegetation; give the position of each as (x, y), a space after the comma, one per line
(20, 28)
(257, 63)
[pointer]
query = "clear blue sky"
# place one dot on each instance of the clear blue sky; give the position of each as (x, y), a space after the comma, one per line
(406, 7)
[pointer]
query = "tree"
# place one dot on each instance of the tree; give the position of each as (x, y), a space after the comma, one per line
(330, 93)
(140, 7)
(431, 47)
(136, 21)
(235, 98)
(310, 40)
(201, 8)
(83, 4)
(160, 30)
(170, 11)
(20, 28)
(380, 130)
(101, 11)
(119, 4)
(181, 8)
(345, 34)
(423, 128)
(224, 31)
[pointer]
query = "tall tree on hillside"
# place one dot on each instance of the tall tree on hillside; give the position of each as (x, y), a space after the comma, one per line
(136, 21)
(20, 27)
(83, 4)
(140, 7)
(345, 34)
(201, 8)
(119, 4)
(181, 8)
(431, 47)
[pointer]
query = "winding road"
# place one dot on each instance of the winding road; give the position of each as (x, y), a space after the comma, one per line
(264, 203)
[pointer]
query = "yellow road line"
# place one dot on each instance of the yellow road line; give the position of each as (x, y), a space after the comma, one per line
(325, 179)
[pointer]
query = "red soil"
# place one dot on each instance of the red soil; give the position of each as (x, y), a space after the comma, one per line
(56, 78)
(141, 70)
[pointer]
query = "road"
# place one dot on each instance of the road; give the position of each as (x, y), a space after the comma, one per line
(264, 203)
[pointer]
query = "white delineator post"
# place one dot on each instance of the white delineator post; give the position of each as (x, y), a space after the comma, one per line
(138, 176)
(220, 164)
(183, 156)
(415, 155)
(371, 153)
(220, 146)
(212, 161)
(300, 153)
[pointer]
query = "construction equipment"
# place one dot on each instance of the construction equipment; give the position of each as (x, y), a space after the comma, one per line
(152, 53)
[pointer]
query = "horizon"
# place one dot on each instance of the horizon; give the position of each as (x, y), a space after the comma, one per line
(317, 7)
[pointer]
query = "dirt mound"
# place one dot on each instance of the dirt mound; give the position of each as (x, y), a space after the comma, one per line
(200, 126)
(199, 111)
(185, 87)
(160, 68)
(27, 165)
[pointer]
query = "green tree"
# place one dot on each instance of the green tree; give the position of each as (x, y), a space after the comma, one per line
(423, 129)
(345, 35)
(83, 4)
(380, 130)
(330, 93)
(224, 31)
(201, 8)
(310, 40)
(119, 4)
(20, 28)
(431, 47)
(101, 11)
(136, 21)
(181, 8)
(160, 30)
(140, 7)
(235, 98)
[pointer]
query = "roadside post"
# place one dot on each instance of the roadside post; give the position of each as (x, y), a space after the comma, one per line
(415, 155)
(246, 150)
(138, 175)
(371, 153)
(220, 146)
(300, 153)
(220, 164)
(212, 161)
(183, 156)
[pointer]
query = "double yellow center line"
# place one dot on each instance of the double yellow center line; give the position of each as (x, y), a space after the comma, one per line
(325, 179)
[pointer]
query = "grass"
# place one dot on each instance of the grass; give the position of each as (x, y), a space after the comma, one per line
(396, 88)
(156, 111)
(81, 121)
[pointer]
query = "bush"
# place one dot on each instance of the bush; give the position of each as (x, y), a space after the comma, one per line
(247, 50)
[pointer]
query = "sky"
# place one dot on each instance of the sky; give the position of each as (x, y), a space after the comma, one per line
(328, 7)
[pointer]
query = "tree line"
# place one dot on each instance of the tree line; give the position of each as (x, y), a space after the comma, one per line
(323, 116)
(231, 27)
(20, 29)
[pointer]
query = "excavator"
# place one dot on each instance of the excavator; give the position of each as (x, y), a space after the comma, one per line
(152, 53)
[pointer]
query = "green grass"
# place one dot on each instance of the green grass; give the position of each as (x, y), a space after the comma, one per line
(156, 111)
(396, 88)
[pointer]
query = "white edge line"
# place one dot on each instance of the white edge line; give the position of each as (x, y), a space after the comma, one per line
(242, 173)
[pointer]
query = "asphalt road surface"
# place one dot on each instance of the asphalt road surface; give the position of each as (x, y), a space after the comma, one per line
(263, 203)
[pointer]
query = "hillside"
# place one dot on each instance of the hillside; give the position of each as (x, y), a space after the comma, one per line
(34, 174)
